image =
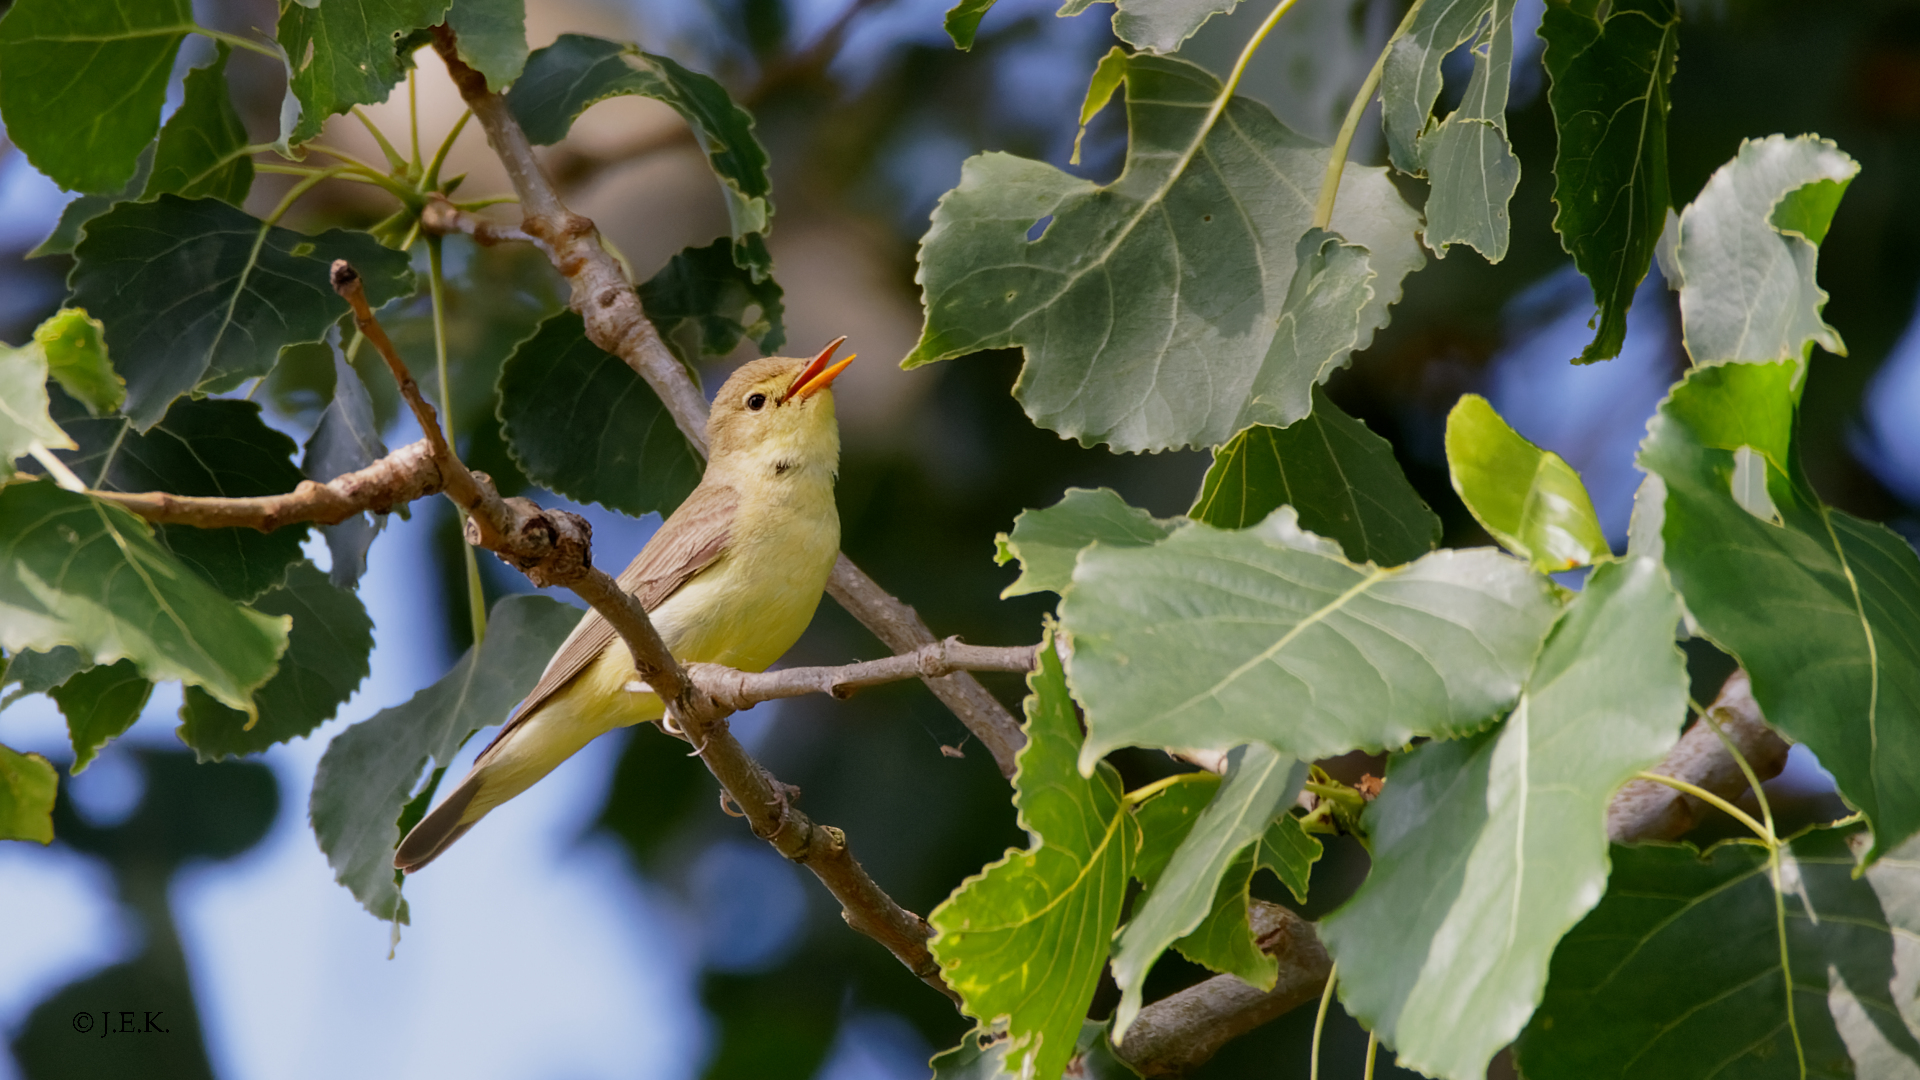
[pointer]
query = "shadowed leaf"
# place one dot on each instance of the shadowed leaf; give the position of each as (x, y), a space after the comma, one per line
(343, 53)
(1047, 541)
(202, 149)
(100, 704)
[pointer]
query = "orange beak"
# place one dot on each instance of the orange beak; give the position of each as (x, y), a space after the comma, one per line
(817, 376)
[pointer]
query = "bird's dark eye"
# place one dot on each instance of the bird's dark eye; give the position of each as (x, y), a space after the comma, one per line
(756, 402)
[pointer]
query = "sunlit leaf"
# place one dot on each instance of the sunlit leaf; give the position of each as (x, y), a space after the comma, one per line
(343, 53)
(1678, 972)
(1147, 312)
(1211, 639)
(82, 84)
(1339, 476)
(491, 37)
(1259, 783)
(1822, 610)
(326, 659)
(1046, 541)
(24, 417)
(80, 572)
(1487, 850)
(194, 298)
(369, 770)
(1748, 247)
(1527, 498)
(1024, 941)
(100, 704)
(203, 147)
(27, 787)
(203, 447)
(1610, 100)
(581, 422)
(1322, 320)
(76, 350)
(576, 71)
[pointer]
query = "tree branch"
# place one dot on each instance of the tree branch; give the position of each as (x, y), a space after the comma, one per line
(440, 217)
(736, 690)
(1644, 810)
(611, 309)
(401, 477)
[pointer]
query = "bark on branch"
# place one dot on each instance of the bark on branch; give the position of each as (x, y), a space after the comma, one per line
(610, 307)
(401, 477)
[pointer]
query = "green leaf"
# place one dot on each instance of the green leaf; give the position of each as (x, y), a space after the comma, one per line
(369, 770)
(1822, 610)
(66, 233)
(1321, 322)
(576, 71)
(963, 21)
(346, 439)
(1288, 853)
(203, 447)
(82, 84)
(1259, 783)
(27, 786)
(100, 704)
(983, 1056)
(1487, 850)
(1212, 639)
(326, 659)
(1527, 498)
(491, 37)
(77, 571)
(344, 53)
(1147, 308)
(1467, 155)
(1748, 247)
(579, 421)
(1047, 541)
(203, 148)
(1610, 101)
(199, 296)
(39, 672)
(1023, 942)
(1339, 476)
(1166, 818)
(76, 349)
(24, 417)
(700, 299)
(1159, 26)
(1678, 972)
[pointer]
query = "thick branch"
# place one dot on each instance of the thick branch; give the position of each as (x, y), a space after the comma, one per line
(406, 474)
(1644, 810)
(615, 322)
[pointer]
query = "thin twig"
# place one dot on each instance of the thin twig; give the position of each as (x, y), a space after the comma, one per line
(737, 690)
(440, 218)
(403, 476)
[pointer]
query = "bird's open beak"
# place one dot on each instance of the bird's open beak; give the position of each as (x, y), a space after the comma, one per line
(816, 376)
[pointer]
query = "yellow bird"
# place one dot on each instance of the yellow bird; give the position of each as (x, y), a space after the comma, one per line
(732, 578)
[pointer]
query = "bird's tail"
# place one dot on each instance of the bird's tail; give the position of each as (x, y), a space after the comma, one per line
(440, 828)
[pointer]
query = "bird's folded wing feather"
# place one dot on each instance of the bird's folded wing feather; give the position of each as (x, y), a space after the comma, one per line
(687, 543)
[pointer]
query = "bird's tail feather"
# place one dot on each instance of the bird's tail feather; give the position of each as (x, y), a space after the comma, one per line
(440, 828)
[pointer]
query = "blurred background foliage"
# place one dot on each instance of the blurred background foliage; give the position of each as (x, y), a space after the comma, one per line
(867, 111)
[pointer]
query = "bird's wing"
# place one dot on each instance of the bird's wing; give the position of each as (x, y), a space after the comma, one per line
(687, 543)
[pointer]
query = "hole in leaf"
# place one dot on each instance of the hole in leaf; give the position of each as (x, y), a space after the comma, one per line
(301, 251)
(1206, 217)
(1039, 228)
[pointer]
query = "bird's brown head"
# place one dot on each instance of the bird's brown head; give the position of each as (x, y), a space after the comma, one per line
(777, 414)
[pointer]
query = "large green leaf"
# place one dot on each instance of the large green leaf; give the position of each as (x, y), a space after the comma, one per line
(343, 53)
(203, 148)
(491, 36)
(1822, 609)
(27, 787)
(203, 447)
(77, 571)
(76, 349)
(576, 71)
(326, 658)
(82, 83)
(66, 232)
(1678, 972)
(100, 704)
(1748, 247)
(1212, 639)
(1487, 850)
(1466, 156)
(1259, 783)
(1322, 320)
(699, 302)
(346, 439)
(1527, 498)
(1148, 307)
(1023, 942)
(1340, 477)
(199, 295)
(24, 418)
(1047, 541)
(581, 422)
(1154, 25)
(369, 770)
(1610, 102)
